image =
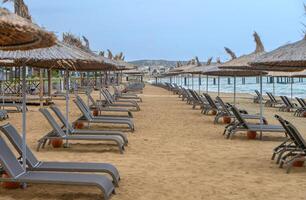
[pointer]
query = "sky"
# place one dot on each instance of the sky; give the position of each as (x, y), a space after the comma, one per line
(173, 29)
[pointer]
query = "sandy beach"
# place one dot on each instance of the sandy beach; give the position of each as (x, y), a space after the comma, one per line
(175, 153)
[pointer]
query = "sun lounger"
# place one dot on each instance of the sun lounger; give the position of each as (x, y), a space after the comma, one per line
(88, 117)
(104, 108)
(293, 154)
(35, 165)
(119, 95)
(288, 105)
(273, 102)
(114, 117)
(17, 174)
(224, 111)
(11, 105)
(73, 131)
(244, 126)
(301, 109)
(110, 102)
(257, 97)
(289, 144)
(58, 133)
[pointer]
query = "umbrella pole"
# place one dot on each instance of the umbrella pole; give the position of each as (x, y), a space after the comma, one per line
(67, 106)
(24, 118)
(291, 88)
(219, 86)
(192, 81)
(261, 106)
(207, 84)
(199, 83)
(235, 90)
(273, 86)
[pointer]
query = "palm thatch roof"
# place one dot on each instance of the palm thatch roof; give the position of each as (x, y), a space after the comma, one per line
(75, 41)
(242, 62)
(59, 56)
(217, 71)
(18, 33)
(182, 69)
(287, 74)
(289, 57)
(199, 69)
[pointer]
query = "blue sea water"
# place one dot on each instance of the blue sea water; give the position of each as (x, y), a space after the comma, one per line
(251, 84)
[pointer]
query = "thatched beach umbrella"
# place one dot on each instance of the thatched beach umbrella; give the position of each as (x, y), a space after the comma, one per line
(243, 61)
(289, 58)
(18, 33)
(61, 56)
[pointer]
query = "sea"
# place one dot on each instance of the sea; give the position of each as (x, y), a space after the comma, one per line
(244, 85)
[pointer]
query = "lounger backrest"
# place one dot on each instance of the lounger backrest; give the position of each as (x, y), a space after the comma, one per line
(258, 93)
(84, 105)
(273, 97)
(300, 102)
(303, 102)
(12, 134)
(238, 116)
(109, 95)
(210, 101)
(297, 134)
(93, 102)
(82, 109)
(56, 128)
(223, 106)
(8, 160)
(61, 117)
(284, 100)
(292, 136)
(288, 101)
(270, 97)
(106, 97)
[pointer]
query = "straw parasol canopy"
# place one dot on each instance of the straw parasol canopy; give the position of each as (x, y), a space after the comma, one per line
(76, 42)
(242, 62)
(60, 56)
(18, 33)
(289, 57)
(182, 69)
(287, 74)
(201, 68)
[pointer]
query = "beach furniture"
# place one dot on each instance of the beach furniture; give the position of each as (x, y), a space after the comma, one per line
(111, 102)
(302, 108)
(58, 133)
(120, 95)
(103, 108)
(17, 106)
(211, 106)
(73, 131)
(294, 154)
(244, 126)
(272, 102)
(19, 175)
(89, 118)
(256, 98)
(224, 111)
(288, 105)
(115, 117)
(35, 165)
(289, 144)
(3, 115)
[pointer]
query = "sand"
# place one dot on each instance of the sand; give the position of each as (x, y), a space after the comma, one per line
(175, 153)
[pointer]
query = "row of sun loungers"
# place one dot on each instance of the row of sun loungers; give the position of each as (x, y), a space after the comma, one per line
(292, 149)
(104, 176)
(284, 104)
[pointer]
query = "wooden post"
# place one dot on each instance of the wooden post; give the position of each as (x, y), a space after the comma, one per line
(49, 83)
(41, 86)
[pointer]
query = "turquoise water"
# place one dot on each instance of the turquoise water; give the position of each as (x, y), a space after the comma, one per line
(298, 88)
